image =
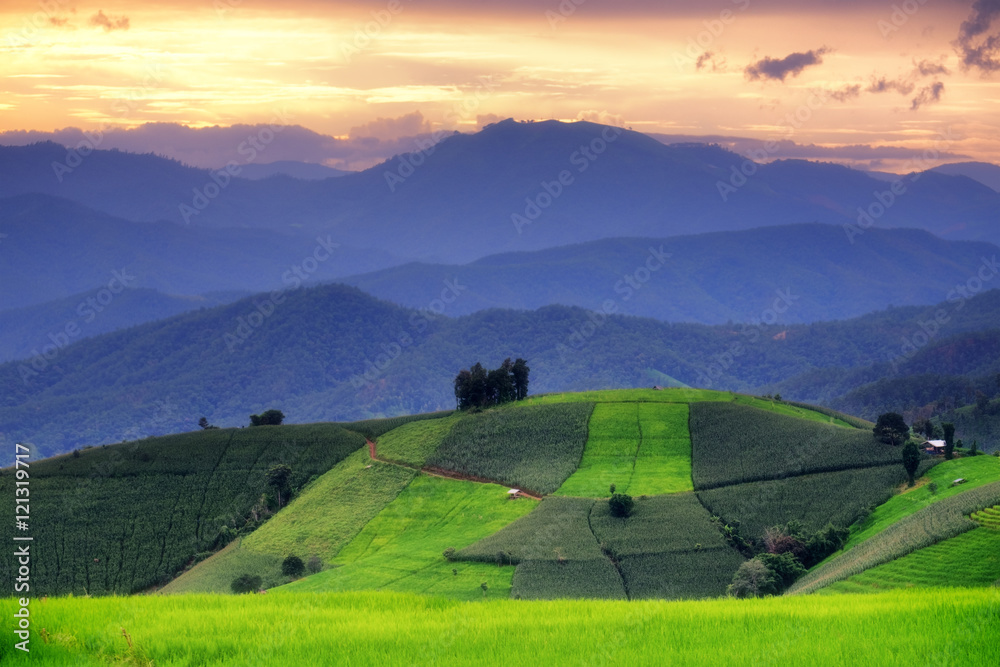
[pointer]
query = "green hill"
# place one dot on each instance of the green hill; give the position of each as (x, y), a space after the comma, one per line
(421, 504)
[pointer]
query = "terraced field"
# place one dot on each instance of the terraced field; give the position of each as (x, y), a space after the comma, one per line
(401, 548)
(968, 560)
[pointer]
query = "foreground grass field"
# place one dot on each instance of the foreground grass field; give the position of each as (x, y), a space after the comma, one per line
(941, 627)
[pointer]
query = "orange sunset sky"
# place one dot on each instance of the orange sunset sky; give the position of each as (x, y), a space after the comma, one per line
(898, 74)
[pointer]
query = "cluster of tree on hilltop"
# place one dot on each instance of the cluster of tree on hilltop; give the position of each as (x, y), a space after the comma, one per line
(479, 388)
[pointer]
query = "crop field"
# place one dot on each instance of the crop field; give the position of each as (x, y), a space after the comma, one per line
(534, 447)
(735, 444)
(556, 554)
(122, 518)
(595, 578)
(277, 630)
(669, 395)
(557, 528)
(668, 547)
(374, 428)
(401, 548)
(641, 448)
(932, 524)
(970, 559)
(850, 420)
(977, 471)
(792, 410)
(609, 456)
(837, 497)
(216, 574)
(411, 443)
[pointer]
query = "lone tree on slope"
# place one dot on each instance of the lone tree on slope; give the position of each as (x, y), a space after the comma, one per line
(911, 460)
(891, 429)
(277, 477)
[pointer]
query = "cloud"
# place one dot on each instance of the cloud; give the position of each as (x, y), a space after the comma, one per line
(884, 85)
(57, 21)
(482, 120)
(387, 129)
(109, 23)
(709, 58)
(779, 68)
(928, 68)
(846, 93)
(927, 94)
(213, 147)
(976, 48)
(602, 117)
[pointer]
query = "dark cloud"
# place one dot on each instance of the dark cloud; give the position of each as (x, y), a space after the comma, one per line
(109, 23)
(884, 85)
(57, 21)
(927, 94)
(928, 68)
(976, 47)
(846, 93)
(709, 59)
(779, 68)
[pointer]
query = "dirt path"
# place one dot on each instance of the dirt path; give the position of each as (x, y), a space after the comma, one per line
(448, 474)
(451, 474)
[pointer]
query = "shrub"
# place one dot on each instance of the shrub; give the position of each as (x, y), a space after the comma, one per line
(752, 580)
(785, 567)
(314, 564)
(293, 567)
(449, 553)
(246, 583)
(621, 504)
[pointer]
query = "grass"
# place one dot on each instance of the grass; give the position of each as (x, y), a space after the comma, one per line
(126, 517)
(641, 448)
(319, 522)
(411, 444)
(375, 428)
(930, 525)
(533, 447)
(907, 627)
(401, 548)
(971, 559)
(670, 395)
(977, 470)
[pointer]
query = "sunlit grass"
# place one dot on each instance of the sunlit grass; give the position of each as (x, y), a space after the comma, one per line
(917, 627)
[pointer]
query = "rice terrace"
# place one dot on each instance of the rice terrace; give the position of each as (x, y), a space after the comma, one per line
(668, 526)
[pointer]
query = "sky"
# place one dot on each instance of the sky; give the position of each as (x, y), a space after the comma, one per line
(879, 84)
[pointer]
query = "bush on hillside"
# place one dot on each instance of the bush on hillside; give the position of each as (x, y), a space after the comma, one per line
(293, 567)
(246, 583)
(621, 505)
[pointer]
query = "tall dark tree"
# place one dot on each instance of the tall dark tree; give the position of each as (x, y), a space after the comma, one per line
(478, 386)
(891, 429)
(949, 440)
(268, 418)
(520, 372)
(278, 477)
(463, 382)
(911, 460)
